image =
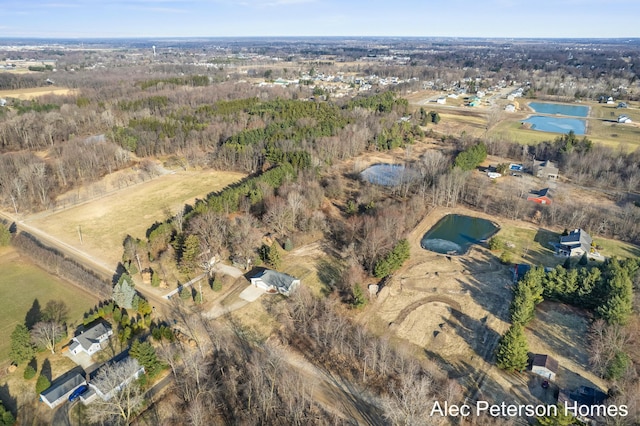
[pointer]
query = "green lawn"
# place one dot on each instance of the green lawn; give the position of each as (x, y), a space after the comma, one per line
(532, 246)
(22, 284)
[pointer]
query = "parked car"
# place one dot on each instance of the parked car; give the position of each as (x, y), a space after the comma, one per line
(76, 393)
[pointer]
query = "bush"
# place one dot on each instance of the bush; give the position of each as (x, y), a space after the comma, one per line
(496, 244)
(185, 294)
(42, 384)
(216, 285)
(155, 280)
(506, 258)
(29, 372)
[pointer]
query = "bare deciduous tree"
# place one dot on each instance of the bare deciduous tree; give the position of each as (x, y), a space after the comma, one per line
(118, 382)
(46, 334)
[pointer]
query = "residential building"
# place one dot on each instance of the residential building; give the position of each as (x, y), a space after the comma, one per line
(541, 197)
(89, 340)
(545, 170)
(624, 119)
(576, 243)
(584, 396)
(108, 393)
(275, 282)
(61, 388)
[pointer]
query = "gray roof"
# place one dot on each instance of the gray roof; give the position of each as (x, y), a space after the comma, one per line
(276, 279)
(577, 238)
(546, 166)
(92, 335)
(60, 388)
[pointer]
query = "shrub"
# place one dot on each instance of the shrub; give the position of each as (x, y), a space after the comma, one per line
(506, 258)
(29, 372)
(496, 243)
(42, 384)
(216, 285)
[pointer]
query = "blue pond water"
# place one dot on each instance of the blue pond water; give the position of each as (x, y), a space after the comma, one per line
(561, 109)
(388, 174)
(454, 234)
(557, 125)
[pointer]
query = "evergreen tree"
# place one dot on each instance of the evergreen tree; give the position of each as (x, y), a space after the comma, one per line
(6, 418)
(22, 348)
(42, 384)
(274, 258)
(513, 350)
(124, 292)
(559, 419)
(146, 355)
(190, 251)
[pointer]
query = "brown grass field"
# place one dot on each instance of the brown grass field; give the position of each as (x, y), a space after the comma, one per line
(104, 222)
(26, 94)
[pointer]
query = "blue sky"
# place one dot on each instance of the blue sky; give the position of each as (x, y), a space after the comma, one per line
(216, 18)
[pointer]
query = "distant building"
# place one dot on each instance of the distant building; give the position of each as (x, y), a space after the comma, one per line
(510, 108)
(545, 366)
(274, 281)
(541, 197)
(576, 243)
(545, 170)
(441, 100)
(3, 102)
(624, 119)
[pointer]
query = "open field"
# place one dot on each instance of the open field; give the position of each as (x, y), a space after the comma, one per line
(602, 125)
(105, 222)
(22, 283)
(455, 308)
(26, 94)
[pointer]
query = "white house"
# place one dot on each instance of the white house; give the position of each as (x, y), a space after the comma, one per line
(510, 108)
(89, 340)
(273, 281)
(61, 388)
(624, 119)
(576, 243)
(441, 100)
(132, 370)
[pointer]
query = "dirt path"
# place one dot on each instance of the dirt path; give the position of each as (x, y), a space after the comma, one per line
(334, 393)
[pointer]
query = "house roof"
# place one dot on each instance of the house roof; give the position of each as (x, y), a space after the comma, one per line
(541, 360)
(546, 192)
(59, 388)
(92, 335)
(276, 279)
(546, 165)
(584, 395)
(577, 238)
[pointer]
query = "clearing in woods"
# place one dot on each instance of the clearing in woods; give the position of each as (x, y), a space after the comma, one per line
(105, 222)
(21, 284)
(456, 308)
(34, 92)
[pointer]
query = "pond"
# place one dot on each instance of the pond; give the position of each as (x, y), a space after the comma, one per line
(454, 234)
(544, 123)
(561, 109)
(388, 174)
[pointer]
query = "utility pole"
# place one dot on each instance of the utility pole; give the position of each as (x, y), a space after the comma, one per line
(80, 234)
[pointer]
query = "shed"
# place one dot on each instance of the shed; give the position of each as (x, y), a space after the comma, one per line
(545, 366)
(61, 388)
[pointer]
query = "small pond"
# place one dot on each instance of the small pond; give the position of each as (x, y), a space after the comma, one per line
(454, 234)
(557, 125)
(561, 109)
(388, 174)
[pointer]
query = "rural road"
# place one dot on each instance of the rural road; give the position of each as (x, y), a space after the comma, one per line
(90, 262)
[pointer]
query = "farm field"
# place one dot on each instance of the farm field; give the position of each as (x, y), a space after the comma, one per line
(34, 92)
(106, 221)
(22, 283)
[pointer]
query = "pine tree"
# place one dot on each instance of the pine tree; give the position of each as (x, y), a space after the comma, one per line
(124, 292)
(274, 256)
(22, 348)
(42, 384)
(6, 418)
(146, 355)
(559, 419)
(190, 251)
(513, 350)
